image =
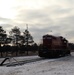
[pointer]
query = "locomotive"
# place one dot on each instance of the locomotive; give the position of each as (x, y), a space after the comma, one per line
(53, 46)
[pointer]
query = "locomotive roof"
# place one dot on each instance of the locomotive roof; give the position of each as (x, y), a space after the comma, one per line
(51, 36)
(47, 35)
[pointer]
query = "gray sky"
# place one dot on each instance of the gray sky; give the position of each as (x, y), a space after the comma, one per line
(42, 17)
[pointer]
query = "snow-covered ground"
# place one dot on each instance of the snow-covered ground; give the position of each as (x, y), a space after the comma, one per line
(59, 66)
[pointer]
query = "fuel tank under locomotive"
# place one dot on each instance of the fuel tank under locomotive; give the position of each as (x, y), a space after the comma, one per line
(53, 46)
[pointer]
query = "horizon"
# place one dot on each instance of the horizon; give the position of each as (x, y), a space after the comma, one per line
(21, 34)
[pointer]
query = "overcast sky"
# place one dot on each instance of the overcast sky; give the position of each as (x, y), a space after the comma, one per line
(42, 16)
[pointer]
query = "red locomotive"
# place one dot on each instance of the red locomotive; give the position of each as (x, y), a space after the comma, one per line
(53, 46)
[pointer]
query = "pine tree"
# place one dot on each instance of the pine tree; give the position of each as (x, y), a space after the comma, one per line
(15, 35)
(28, 38)
(3, 36)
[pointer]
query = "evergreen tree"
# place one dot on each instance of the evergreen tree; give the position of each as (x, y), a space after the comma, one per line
(15, 35)
(3, 36)
(28, 38)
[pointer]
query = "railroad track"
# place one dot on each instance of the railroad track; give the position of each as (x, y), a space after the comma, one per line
(22, 62)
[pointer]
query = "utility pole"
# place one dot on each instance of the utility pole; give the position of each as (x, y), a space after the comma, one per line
(27, 26)
(27, 38)
(27, 34)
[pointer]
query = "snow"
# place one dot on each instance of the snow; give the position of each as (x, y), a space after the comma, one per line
(59, 66)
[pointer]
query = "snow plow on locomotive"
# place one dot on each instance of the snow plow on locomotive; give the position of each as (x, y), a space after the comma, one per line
(53, 46)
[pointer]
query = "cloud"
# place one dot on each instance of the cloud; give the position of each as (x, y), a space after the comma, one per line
(6, 27)
(4, 19)
(50, 16)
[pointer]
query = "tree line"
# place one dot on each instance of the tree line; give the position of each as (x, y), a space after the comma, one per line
(15, 41)
(15, 37)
